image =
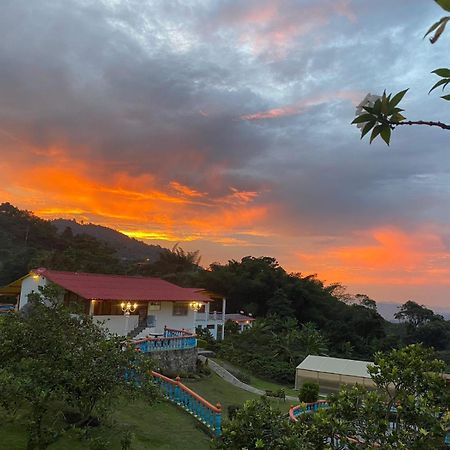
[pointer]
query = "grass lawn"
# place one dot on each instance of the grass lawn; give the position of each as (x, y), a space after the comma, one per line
(257, 382)
(215, 389)
(162, 426)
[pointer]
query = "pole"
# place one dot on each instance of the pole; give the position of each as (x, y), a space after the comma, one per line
(127, 320)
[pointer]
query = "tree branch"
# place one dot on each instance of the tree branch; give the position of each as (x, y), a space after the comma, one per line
(444, 126)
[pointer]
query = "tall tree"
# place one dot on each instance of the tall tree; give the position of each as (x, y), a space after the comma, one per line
(54, 362)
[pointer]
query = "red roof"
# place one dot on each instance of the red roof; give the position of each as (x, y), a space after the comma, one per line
(120, 287)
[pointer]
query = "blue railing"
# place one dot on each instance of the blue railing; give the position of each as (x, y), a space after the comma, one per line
(295, 411)
(172, 340)
(201, 409)
(298, 410)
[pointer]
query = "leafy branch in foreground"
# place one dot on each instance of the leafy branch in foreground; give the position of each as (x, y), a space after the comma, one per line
(382, 114)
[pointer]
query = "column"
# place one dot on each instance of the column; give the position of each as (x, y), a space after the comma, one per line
(206, 314)
(224, 307)
(91, 307)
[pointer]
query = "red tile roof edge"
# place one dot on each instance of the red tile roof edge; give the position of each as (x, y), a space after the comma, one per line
(192, 294)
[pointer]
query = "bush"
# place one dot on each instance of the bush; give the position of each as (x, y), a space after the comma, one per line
(309, 392)
(232, 411)
(203, 367)
(279, 393)
(257, 425)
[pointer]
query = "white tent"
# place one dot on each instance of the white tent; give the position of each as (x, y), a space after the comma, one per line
(332, 373)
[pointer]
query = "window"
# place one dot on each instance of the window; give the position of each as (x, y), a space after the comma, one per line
(154, 306)
(180, 309)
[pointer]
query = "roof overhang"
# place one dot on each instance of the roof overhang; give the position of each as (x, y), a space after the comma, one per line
(12, 288)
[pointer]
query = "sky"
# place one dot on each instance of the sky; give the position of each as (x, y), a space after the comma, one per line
(225, 126)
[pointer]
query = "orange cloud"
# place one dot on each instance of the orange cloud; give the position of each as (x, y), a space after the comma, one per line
(303, 105)
(141, 206)
(393, 257)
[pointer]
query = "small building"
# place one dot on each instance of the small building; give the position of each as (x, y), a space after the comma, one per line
(244, 322)
(127, 305)
(332, 373)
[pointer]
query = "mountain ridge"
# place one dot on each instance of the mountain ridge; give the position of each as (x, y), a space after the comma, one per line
(127, 248)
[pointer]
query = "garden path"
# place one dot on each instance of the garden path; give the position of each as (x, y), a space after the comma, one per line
(228, 376)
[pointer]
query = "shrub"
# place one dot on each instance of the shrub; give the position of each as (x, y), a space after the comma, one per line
(257, 425)
(279, 393)
(309, 392)
(232, 411)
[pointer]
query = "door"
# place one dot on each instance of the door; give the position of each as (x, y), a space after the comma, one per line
(142, 311)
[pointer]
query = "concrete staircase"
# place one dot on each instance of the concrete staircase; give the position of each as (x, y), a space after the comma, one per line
(133, 333)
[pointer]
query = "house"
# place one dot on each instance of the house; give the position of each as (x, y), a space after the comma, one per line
(127, 305)
(331, 373)
(244, 322)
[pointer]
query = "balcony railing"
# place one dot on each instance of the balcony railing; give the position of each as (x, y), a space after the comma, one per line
(171, 340)
(201, 409)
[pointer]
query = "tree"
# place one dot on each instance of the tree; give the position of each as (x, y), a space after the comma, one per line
(366, 301)
(311, 341)
(414, 314)
(381, 114)
(58, 367)
(280, 304)
(258, 425)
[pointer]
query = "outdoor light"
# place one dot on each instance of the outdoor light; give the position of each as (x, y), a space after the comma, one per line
(128, 308)
(195, 306)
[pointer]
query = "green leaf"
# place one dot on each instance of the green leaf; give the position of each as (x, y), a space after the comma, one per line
(396, 99)
(375, 132)
(369, 109)
(443, 72)
(377, 107)
(368, 127)
(446, 97)
(444, 81)
(439, 30)
(432, 28)
(397, 117)
(363, 118)
(444, 4)
(385, 133)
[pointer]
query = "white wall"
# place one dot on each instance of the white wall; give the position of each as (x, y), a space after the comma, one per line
(118, 324)
(165, 317)
(30, 284)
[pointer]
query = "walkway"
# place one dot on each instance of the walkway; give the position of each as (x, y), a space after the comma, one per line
(228, 376)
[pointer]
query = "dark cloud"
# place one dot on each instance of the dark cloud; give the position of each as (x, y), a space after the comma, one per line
(256, 96)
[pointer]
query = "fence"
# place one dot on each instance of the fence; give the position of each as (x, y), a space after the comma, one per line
(201, 409)
(171, 340)
(295, 411)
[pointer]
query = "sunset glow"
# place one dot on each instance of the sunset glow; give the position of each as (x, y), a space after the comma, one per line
(225, 126)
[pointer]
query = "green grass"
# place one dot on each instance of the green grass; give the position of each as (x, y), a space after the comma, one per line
(215, 389)
(162, 426)
(258, 382)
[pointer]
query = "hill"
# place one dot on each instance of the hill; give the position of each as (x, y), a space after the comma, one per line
(126, 248)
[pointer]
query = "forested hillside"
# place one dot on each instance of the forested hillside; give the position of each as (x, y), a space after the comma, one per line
(127, 248)
(26, 241)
